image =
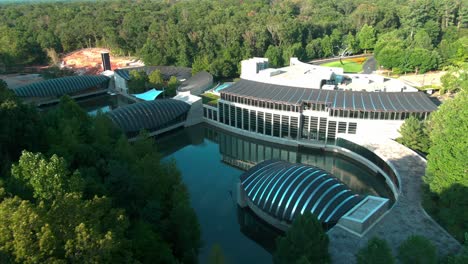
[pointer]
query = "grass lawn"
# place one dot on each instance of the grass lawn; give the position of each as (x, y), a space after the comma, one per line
(349, 65)
(210, 99)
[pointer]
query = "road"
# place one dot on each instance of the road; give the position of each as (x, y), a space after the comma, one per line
(369, 66)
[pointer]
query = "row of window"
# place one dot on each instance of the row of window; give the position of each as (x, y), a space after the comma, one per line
(210, 114)
(377, 115)
(315, 128)
(259, 122)
(260, 103)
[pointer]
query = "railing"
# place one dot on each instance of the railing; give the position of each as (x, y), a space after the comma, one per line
(371, 156)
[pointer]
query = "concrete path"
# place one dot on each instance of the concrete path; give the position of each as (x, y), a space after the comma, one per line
(405, 218)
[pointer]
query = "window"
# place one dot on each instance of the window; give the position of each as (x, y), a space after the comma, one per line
(268, 123)
(331, 130)
(352, 128)
(284, 126)
(341, 127)
(305, 127)
(245, 120)
(313, 127)
(232, 116)
(204, 112)
(238, 117)
(253, 121)
(261, 121)
(294, 127)
(276, 125)
(322, 128)
(220, 110)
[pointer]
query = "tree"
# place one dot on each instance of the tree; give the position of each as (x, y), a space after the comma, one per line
(274, 55)
(155, 79)
(448, 152)
(413, 135)
(137, 82)
(417, 250)
(376, 251)
(366, 37)
(422, 60)
(455, 80)
(304, 240)
(446, 165)
(49, 179)
(172, 85)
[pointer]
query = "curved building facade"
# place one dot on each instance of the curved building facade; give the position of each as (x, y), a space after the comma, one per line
(307, 102)
(284, 190)
(61, 86)
(151, 115)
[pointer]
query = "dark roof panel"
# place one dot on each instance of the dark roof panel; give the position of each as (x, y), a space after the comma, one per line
(284, 190)
(349, 100)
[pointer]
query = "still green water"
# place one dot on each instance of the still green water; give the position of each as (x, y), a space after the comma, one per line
(208, 159)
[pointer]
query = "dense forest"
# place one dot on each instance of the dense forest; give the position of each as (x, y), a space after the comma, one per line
(74, 190)
(416, 35)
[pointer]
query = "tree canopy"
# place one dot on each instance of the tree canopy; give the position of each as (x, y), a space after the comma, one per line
(81, 193)
(305, 242)
(217, 35)
(376, 251)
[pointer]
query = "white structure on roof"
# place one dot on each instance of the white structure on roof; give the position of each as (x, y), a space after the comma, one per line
(300, 74)
(195, 114)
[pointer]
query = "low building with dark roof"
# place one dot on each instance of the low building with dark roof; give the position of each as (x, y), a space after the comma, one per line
(318, 111)
(122, 76)
(197, 84)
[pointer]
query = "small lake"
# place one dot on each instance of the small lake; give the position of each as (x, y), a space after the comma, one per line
(210, 159)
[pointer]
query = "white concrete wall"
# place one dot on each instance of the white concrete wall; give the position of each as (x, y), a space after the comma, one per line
(195, 114)
(121, 84)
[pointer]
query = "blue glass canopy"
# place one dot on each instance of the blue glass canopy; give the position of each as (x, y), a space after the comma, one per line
(285, 190)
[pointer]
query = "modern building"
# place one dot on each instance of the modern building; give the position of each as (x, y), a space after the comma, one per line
(50, 91)
(305, 102)
(197, 84)
(278, 191)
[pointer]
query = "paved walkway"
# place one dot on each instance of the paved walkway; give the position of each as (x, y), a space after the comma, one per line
(404, 219)
(369, 66)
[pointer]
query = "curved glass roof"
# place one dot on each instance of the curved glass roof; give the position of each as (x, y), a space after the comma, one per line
(284, 190)
(150, 115)
(62, 86)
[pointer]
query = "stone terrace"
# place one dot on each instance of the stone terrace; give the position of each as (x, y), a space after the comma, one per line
(405, 218)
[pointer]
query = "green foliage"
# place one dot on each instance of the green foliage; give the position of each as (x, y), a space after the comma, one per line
(446, 174)
(376, 251)
(366, 37)
(49, 179)
(448, 152)
(216, 255)
(275, 57)
(455, 80)
(137, 82)
(210, 99)
(120, 204)
(305, 241)
(172, 86)
(417, 250)
(223, 32)
(156, 80)
(414, 135)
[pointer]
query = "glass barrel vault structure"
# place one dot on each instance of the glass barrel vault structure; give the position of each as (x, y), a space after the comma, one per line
(150, 116)
(284, 190)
